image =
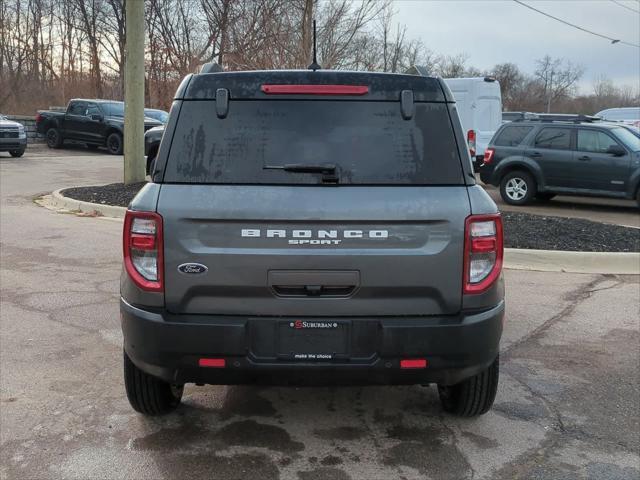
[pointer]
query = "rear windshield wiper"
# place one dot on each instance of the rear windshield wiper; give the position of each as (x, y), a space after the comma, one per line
(328, 170)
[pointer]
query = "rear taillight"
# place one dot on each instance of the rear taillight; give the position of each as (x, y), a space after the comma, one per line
(483, 252)
(488, 156)
(471, 142)
(143, 250)
(38, 118)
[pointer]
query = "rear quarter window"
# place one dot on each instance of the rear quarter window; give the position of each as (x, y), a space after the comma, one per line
(512, 136)
(369, 142)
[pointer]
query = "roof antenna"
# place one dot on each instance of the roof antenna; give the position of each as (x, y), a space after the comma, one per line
(314, 65)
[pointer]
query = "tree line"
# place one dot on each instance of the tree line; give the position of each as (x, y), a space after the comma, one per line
(54, 50)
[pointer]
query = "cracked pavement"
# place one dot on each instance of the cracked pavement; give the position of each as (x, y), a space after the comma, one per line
(567, 406)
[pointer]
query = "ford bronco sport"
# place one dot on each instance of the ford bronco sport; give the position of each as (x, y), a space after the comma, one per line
(312, 227)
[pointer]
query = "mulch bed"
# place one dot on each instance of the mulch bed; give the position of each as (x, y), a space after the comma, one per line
(521, 230)
(117, 194)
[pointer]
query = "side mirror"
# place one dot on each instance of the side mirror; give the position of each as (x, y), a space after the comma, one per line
(96, 117)
(616, 150)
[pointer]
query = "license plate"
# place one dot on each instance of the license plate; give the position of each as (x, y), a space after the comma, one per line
(313, 339)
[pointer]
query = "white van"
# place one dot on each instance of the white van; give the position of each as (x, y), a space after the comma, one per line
(479, 103)
(628, 115)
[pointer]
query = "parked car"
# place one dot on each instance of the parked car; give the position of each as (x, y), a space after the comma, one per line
(93, 122)
(156, 114)
(312, 227)
(13, 137)
(152, 139)
(574, 155)
(479, 104)
(628, 115)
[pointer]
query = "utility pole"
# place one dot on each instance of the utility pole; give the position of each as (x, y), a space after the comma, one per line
(550, 93)
(134, 165)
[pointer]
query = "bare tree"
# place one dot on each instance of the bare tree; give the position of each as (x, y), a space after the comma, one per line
(559, 77)
(51, 50)
(452, 66)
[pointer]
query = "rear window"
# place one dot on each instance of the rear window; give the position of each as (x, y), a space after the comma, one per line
(368, 142)
(512, 136)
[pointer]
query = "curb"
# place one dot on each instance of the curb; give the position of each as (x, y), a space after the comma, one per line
(60, 201)
(614, 263)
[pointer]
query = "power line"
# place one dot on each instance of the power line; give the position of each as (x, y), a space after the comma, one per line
(612, 40)
(620, 4)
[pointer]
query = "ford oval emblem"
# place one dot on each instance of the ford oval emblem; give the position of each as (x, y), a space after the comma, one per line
(192, 268)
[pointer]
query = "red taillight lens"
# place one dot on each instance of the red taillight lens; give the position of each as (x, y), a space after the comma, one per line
(483, 252)
(471, 142)
(212, 362)
(38, 118)
(143, 250)
(315, 89)
(413, 363)
(488, 155)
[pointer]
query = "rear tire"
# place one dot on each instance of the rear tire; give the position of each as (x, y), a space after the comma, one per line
(54, 138)
(474, 396)
(114, 144)
(16, 153)
(517, 188)
(147, 394)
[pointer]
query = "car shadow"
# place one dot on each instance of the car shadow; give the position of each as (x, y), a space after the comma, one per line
(260, 431)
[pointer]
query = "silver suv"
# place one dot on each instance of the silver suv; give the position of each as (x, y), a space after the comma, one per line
(13, 137)
(312, 227)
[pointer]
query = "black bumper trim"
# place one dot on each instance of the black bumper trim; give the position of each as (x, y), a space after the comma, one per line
(169, 346)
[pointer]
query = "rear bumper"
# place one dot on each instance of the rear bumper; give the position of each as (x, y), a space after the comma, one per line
(169, 347)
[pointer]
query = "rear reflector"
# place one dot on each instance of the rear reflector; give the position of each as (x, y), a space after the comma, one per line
(315, 89)
(212, 362)
(413, 363)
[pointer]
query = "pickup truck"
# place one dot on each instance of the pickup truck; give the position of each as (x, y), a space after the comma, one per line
(93, 122)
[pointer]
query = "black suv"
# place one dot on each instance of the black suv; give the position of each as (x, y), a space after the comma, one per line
(569, 155)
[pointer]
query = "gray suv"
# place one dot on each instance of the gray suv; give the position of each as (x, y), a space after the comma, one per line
(563, 154)
(312, 227)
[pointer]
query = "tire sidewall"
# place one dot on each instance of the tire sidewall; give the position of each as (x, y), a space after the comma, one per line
(16, 153)
(112, 138)
(53, 138)
(530, 184)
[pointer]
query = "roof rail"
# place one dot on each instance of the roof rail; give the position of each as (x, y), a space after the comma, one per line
(211, 67)
(559, 117)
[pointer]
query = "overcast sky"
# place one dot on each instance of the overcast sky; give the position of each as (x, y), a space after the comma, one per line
(498, 31)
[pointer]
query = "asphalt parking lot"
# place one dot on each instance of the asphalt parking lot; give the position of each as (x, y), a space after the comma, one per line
(567, 406)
